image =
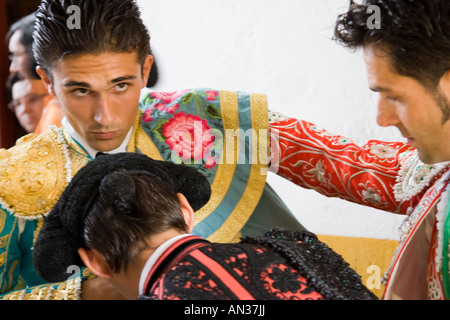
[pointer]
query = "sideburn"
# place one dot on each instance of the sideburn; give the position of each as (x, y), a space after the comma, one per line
(443, 103)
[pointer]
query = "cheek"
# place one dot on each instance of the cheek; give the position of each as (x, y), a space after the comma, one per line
(71, 107)
(39, 109)
(75, 110)
(129, 114)
(127, 105)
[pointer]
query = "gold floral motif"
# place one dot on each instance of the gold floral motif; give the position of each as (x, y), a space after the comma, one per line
(39, 150)
(14, 264)
(4, 241)
(32, 175)
(7, 169)
(32, 181)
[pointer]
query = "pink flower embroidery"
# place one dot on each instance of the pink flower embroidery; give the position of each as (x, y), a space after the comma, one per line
(210, 162)
(160, 106)
(167, 97)
(189, 136)
(173, 108)
(147, 116)
(211, 95)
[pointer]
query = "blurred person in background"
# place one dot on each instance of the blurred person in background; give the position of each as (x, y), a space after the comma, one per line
(28, 102)
(34, 110)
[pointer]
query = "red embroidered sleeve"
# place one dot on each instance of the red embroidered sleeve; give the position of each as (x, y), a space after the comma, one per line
(335, 166)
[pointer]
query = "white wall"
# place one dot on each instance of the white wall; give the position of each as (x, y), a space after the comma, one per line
(282, 48)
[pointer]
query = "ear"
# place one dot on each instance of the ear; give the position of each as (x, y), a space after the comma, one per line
(95, 262)
(188, 212)
(146, 68)
(445, 81)
(46, 80)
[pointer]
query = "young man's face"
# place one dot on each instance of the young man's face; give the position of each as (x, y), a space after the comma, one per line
(409, 106)
(99, 94)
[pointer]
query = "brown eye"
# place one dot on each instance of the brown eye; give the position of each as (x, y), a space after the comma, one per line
(81, 92)
(122, 87)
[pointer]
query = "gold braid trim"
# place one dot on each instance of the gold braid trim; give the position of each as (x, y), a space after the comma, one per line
(39, 224)
(227, 167)
(68, 290)
(229, 231)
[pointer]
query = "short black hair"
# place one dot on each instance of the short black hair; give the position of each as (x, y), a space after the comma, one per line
(118, 225)
(106, 26)
(414, 33)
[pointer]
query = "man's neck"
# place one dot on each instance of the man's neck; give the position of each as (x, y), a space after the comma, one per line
(157, 246)
(130, 282)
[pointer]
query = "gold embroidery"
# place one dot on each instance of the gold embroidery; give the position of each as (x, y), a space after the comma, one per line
(14, 264)
(69, 290)
(39, 224)
(32, 175)
(2, 220)
(237, 238)
(4, 261)
(140, 140)
(72, 144)
(132, 144)
(256, 182)
(145, 144)
(13, 295)
(4, 241)
(78, 161)
(78, 157)
(87, 274)
(226, 169)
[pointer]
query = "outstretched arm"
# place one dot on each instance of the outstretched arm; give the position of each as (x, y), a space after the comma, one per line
(335, 166)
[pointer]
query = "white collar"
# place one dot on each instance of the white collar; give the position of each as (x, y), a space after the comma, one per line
(92, 152)
(154, 257)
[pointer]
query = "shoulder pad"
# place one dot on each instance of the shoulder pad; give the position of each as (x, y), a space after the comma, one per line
(33, 174)
(415, 176)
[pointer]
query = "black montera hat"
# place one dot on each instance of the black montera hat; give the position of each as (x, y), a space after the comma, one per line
(62, 233)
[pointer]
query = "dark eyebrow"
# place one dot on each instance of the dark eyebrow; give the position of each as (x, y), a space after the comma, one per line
(77, 84)
(121, 79)
(88, 86)
(380, 89)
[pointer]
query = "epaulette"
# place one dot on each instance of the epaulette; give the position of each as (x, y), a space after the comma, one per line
(33, 174)
(415, 176)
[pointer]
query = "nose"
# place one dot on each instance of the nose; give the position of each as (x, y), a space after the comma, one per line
(27, 107)
(14, 67)
(24, 108)
(387, 114)
(103, 113)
